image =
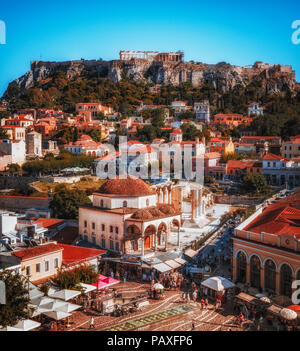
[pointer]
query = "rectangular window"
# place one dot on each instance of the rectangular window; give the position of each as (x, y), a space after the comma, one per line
(117, 246)
(28, 271)
(93, 225)
(38, 268)
(117, 230)
(47, 266)
(85, 224)
(111, 244)
(56, 263)
(103, 243)
(111, 229)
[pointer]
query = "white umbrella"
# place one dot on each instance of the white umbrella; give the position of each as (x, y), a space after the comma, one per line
(218, 283)
(288, 314)
(54, 305)
(87, 287)
(39, 310)
(265, 299)
(65, 294)
(158, 286)
(24, 325)
(69, 307)
(57, 315)
(43, 300)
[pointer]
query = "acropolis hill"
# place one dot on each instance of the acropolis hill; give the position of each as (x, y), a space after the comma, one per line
(169, 68)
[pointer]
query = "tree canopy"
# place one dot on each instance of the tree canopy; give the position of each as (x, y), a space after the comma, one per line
(17, 299)
(65, 202)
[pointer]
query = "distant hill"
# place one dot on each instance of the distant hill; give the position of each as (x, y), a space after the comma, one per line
(121, 84)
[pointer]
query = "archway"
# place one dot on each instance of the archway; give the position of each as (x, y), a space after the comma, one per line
(255, 268)
(241, 267)
(286, 278)
(270, 275)
(161, 234)
(149, 233)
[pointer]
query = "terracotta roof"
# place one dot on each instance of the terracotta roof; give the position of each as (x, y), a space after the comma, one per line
(49, 222)
(67, 235)
(283, 217)
(130, 186)
(77, 254)
(273, 157)
(36, 251)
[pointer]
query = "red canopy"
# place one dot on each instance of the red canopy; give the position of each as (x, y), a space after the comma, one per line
(295, 308)
(105, 282)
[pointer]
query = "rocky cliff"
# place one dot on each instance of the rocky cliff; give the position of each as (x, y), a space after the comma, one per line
(275, 79)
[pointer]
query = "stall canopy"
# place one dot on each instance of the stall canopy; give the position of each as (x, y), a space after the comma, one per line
(87, 287)
(162, 267)
(180, 260)
(68, 308)
(173, 264)
(105, 282)
(66, 294)
(190, 253)
(24, 325)
(40, 301)
(218, 283)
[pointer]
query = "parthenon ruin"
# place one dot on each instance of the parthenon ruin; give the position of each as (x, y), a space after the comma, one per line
(152, 56)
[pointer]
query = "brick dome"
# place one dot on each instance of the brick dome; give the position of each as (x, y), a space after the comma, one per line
(130, 186)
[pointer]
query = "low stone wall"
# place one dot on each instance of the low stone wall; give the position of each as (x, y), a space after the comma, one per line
(237, 200)
(23, 202)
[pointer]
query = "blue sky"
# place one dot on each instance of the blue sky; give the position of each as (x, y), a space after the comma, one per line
(238, 32)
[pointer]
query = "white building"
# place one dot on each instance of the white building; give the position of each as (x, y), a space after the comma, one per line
(202, 111)
(16, 149)
(34, 144)
(127, 217)
(255, 109)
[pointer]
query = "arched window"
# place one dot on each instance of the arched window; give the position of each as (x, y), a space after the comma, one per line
(255, 272)
(124, 203)
(270, 275)
(241, 267)
(286, 280)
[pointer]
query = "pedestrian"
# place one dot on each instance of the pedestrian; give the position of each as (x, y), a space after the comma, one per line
(195, 295)
(202, 303)
(193, 326)
(92, 323)
(206, 302)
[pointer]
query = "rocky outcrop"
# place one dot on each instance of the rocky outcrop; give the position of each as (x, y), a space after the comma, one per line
(275, 79)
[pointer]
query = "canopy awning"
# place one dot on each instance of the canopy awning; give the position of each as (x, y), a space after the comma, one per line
(24, 325)
(87, 287)
(245, 297)
(65, 294)
(218, 283)
(105, 282)
(162, 267)
(190, 253)
(68, 308)
(180, 260)
(173, 264)
(40, 301)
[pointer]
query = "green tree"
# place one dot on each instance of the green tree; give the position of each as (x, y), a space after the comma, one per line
(255, 183)
(65, 202)
(14, 168)
(71, 279)
(3, 134)
(17, 299)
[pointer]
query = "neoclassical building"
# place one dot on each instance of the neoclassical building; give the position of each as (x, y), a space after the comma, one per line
(266, 247)
(128, 217)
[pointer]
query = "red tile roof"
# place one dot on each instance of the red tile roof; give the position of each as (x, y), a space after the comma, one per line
(77, 254)
(273, 157)
(36, 251)
(49, 222)
(283, 217)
